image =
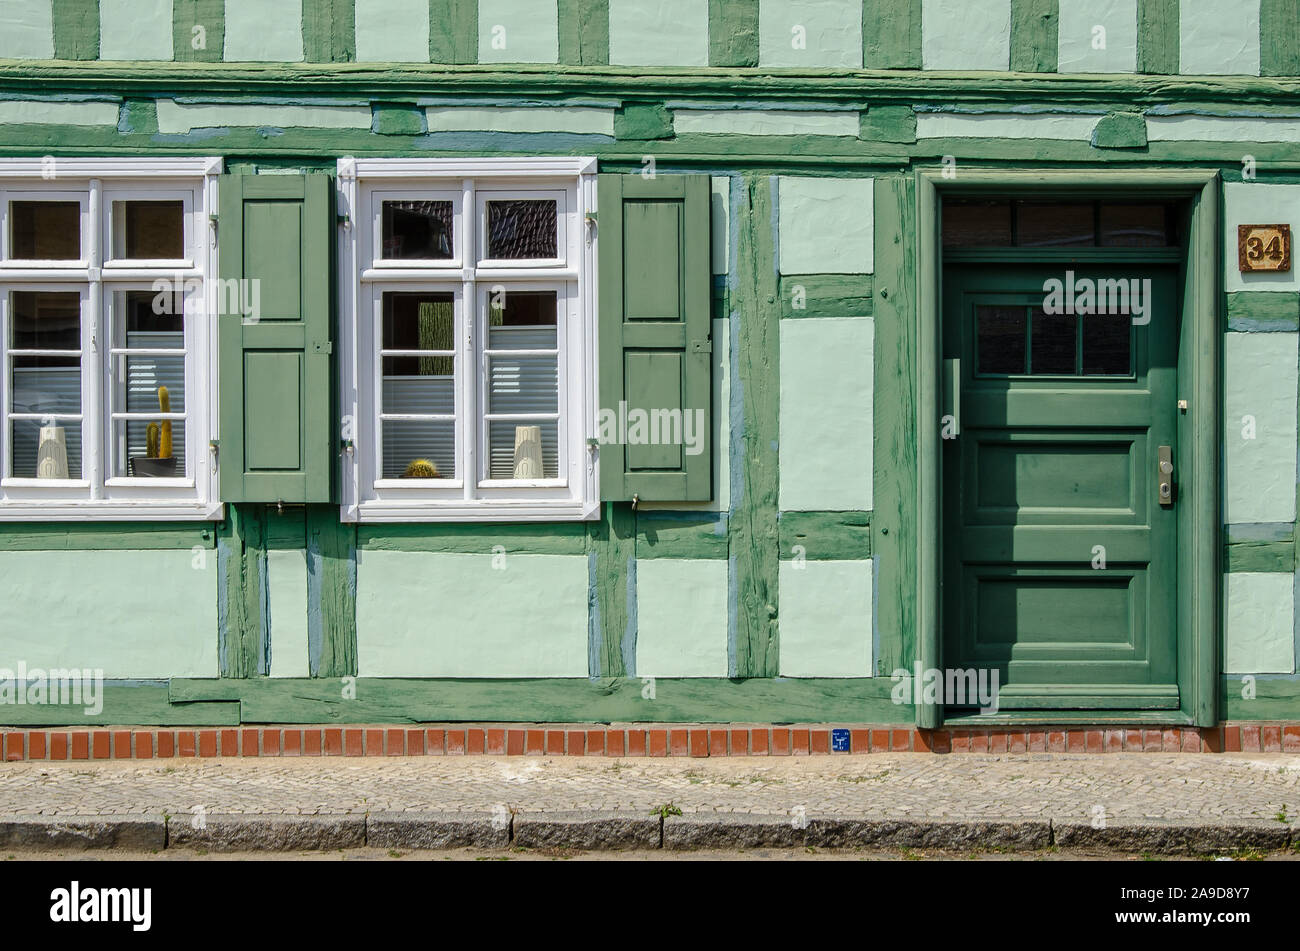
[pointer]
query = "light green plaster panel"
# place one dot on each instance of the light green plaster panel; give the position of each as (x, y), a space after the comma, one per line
(826, 225)
(1259, 623)
(1260, 427)
(720, 226)
(826, 414)
(132, 614)
(825, 618)
(518, 31)
(810, 33)
(681, 608)
(1190, 128)
(135, 29)
(721, 435)
(1218, 38)
(286, 583)
(966, 34)
(659, 32)
(41, 112)
(1005, 125)
(1097, 36)
(176, 117)
(28, 31)
(577, 120)
(392, 31)
(1250, 203)
(257, 31)
(437, 614)
(765, 122)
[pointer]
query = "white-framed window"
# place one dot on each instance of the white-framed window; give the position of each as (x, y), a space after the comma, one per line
(108, 391)
(468, 358)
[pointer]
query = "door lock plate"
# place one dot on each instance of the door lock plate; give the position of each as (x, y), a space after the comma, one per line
(1165, 475)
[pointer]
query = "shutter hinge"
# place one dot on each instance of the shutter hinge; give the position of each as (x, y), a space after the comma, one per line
(701, 346)
(319, 346)
(347, 446)
(214, 446)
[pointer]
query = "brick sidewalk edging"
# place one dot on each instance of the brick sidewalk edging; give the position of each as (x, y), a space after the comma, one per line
(633, 740)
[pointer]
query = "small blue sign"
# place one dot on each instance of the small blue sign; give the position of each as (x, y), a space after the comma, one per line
(839, 741)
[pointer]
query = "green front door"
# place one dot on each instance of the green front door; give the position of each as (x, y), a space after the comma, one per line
(1059, 556)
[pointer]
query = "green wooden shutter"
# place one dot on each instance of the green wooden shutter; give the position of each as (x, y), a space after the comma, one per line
(655, 347)
(276, 232)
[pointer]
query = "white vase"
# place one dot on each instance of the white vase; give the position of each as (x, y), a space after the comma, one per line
(52, 454)
(528, 452)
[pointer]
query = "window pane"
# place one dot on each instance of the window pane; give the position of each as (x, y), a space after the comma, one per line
(976, 224)
(419, 321)
(524, 321)
(1054, 342)
(521, 229)
(149, 230)
(1066, 225)
(46, 320)
(49, 451)
(1107, 342)
(1000, 339)
(132, 453)
(149, 312)
(419, 449)
(1134, 226)
(45, 230)
(419, 230)
(145, 320)
(523, 385)
(523, 450)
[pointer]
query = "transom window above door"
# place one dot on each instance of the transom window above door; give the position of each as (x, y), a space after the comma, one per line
(468, 330)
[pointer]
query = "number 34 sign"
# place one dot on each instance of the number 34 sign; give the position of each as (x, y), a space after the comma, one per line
(1264, 247)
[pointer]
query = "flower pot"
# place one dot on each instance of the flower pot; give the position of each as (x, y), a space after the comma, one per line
(142, 467)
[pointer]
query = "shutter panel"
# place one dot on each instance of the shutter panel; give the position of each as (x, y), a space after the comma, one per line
(655, 347)
(276, 418)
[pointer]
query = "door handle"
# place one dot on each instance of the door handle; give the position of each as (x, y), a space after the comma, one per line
(950, 425)
(1165, 476)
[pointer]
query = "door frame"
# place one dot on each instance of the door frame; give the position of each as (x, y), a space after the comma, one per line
(1199, 370)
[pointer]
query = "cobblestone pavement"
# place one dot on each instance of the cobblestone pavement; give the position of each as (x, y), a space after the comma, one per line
(1063, 788)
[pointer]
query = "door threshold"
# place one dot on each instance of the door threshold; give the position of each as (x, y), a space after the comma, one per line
(1045, 718)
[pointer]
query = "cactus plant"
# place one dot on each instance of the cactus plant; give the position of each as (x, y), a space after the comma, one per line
(165, 433)
(421, 469)
(151, 441)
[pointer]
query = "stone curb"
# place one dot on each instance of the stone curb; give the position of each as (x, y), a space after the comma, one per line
(722, 831)
(437, 830)
(1173, 838)
(78, 833)
(268, 833)
(596, 831)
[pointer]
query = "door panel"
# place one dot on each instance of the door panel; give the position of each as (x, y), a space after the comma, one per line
(1059, 565)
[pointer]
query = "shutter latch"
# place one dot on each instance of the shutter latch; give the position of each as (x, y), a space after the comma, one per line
(701, 346)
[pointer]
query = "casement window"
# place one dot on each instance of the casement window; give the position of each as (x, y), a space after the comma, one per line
(107, 392)
(468, 361)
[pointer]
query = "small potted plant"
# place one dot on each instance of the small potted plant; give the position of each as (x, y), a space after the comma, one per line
(158, 461)
(421, 469)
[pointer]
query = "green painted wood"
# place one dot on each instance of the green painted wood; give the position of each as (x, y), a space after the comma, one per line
(1120, 130)
(888, 124)
(681, 535)
(1157, 37)
(116, 536)
(643, 120)
(143, 704)
(198, 30)
(733, 32)
(754, 542)
(1034, 35)
(894, 479)
(286, 529)
(891, 34)
(721, 299)
(613, 591)
(331, 593)
(329, 31)
(1259, 698)
(453, 31)
(1279, 38)
(826, 295)
(242, 611)
(1255, 311)
(76, 29)
(277, 432)
(826, 536)
(1260, 556)
(584, 32)
(398, 118)
(527, 538)
(139, 116)
(655, 333)
(580, 700)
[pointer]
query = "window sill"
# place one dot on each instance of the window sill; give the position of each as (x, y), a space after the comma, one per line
(115, 510)
(488, 511)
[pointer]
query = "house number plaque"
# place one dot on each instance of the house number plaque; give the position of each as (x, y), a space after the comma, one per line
(1264, 247)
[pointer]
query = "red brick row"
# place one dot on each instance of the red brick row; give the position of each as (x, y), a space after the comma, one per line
(653, 740)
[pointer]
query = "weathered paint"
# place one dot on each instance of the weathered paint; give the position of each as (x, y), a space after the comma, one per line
(518, 31)
(733, 32)
(331, 593)
(1213, 40)
(658, 33)
(1120, 130)
(891, 34)
(257, 32)
(48, 112)
(286, 582)
(681, 610)
(719, 227)
(1263, 311)
(888, 124)
(826, 414)
(966, 34)
(813, 209)
(29, 29)
(392, 31)
(1259, 427)
(584, 32)
(764, 122)
(1035, 28)
(1004, 125)
(1256, 203)
(1279, 38)
(1158, 36)
(453, 31)
(135, 29)
(826, 536)
(198, 30)
(434, 614)
(1194, 128)
(826, 618)
(578, 120)
(130, 614)
(810, 33)
(1259, 629)
(176, 118)
(825, 295)
(1098, 36)
(328, 34)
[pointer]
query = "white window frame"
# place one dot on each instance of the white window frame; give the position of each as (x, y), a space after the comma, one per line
(99, 494)
(363, 278)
